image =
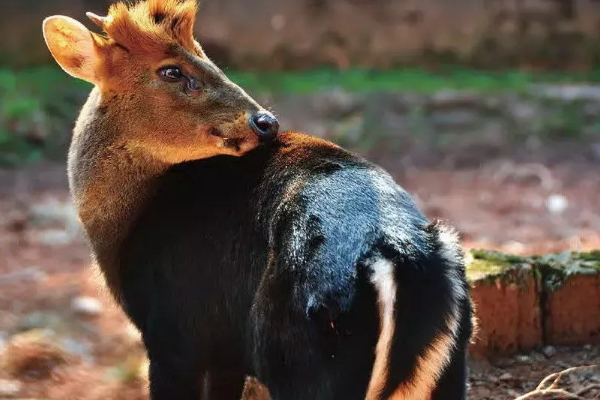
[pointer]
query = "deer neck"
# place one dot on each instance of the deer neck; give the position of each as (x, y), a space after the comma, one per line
(110, 183)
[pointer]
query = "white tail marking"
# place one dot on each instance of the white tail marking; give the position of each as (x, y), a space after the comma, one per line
(385, 286)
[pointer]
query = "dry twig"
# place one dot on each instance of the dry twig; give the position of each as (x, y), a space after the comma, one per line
(548, 387)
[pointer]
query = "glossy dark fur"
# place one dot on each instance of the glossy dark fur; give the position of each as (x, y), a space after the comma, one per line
(260, 265)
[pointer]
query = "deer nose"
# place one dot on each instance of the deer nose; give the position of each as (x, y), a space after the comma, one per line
(264, 124)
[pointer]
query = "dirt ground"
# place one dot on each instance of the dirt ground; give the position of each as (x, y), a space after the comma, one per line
(61, 336)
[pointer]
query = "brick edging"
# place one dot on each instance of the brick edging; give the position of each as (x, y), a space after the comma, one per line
(525, 302)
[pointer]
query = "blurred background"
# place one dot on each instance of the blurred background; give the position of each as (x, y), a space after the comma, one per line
(486, 110)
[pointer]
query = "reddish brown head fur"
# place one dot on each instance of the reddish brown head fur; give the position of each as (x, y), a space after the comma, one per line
(202, 114)
(154, 25)
(158, 100)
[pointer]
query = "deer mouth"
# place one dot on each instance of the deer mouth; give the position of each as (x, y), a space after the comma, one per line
(216, 132)
(233, 143)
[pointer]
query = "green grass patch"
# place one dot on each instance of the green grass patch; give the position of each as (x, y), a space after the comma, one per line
(37, 110)
(38, 106)
(410, 80)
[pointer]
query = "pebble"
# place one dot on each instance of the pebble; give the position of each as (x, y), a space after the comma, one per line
(556, 204)
(549, 351)
(507, 376)
(87, 306)
(9, 388)
(523, 359)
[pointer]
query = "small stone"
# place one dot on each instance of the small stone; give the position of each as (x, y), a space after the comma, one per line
(9, 388)
(523, 359)
(278, 22)
(549, 351)
(556, 204)
(587, 347)
(87, 306)
(507, 376)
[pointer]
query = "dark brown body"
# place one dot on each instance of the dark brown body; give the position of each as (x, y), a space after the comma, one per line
(240, 266)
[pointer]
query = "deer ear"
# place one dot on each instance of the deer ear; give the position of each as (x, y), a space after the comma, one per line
(73, 47)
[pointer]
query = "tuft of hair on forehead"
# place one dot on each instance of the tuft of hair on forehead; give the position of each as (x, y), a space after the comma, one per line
(152, 25)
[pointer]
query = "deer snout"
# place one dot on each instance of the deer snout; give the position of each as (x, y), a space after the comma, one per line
(265, 125)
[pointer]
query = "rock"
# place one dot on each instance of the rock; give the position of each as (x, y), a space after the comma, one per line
(9, 388)
(278, 22)
(556, 204)
(523, 359)
(549, 351)
(87, 306)
(507, 376)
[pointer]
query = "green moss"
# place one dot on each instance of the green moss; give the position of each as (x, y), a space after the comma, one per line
(553, 269)
(557, 268)
(591, 256)
(488, 265)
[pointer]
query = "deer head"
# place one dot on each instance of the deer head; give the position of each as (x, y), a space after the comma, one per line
(159, 92)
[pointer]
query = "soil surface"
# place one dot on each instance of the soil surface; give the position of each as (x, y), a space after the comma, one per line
(62, 337)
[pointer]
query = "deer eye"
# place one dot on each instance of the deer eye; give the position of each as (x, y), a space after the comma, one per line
(171, 74)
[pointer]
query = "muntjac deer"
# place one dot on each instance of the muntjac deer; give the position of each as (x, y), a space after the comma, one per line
(238, 250)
